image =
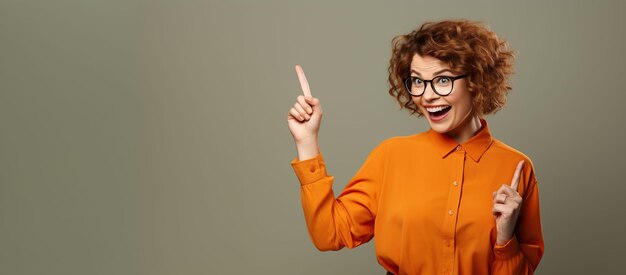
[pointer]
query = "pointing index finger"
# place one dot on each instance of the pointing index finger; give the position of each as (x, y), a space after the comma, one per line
(516, 175)
(303, 82)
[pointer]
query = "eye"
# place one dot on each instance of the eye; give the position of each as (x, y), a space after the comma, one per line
(417, 80)
(444, 80)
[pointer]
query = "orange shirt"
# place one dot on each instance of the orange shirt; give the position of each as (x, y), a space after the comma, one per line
(428, 201)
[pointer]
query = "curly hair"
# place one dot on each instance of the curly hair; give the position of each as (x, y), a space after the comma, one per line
(467, 47)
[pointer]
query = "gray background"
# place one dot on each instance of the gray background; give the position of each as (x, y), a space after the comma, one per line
(150, 137)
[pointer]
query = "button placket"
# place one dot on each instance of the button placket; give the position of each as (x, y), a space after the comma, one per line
(454, 199)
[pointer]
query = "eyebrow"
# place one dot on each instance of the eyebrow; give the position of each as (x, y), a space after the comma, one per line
(436, 73)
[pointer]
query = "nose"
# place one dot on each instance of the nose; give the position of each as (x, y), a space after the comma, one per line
(429, 94)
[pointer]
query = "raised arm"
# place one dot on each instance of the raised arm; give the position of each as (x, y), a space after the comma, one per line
(333, 223)
(523, 251)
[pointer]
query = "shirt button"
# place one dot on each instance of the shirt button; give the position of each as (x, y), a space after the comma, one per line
(312, 169)
(450, 212)
(458, 148)
(448, 243)
(455, 183)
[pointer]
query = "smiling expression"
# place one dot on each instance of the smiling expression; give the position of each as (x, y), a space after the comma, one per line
(445, 114)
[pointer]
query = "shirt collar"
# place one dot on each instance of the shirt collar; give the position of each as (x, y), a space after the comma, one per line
(475, 146)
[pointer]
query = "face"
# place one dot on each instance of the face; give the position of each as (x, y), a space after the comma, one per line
(457, 106)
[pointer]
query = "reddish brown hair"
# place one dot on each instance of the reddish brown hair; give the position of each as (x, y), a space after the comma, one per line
(468, 47)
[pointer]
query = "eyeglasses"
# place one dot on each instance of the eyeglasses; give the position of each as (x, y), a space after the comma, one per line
(442, 85)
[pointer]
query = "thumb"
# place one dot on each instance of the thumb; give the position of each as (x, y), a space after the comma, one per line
(315, 104)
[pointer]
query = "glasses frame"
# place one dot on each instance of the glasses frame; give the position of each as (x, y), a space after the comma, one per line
(453, 78)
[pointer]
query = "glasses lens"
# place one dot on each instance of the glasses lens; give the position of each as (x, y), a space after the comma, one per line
(415, 85)
(443, 84)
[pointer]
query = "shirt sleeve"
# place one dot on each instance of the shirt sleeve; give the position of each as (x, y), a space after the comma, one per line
(521, 254)
(347, 220)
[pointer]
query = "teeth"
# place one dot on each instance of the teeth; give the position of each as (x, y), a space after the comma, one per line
(436, 109)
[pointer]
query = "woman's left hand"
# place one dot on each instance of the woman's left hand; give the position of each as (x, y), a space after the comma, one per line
(506, 206)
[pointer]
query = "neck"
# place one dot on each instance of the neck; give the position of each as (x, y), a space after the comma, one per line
(466, 130)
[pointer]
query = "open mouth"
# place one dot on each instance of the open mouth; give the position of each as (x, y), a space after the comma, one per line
(438, 112)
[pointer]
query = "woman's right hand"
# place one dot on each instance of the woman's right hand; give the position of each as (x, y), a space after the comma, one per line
(305, 116)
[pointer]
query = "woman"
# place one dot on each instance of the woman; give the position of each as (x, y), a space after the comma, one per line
(451, 200)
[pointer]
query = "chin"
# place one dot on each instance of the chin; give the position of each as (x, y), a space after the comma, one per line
(439, 128)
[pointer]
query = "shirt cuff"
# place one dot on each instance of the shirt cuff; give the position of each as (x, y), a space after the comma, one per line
(507, 250)
(309, 170)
